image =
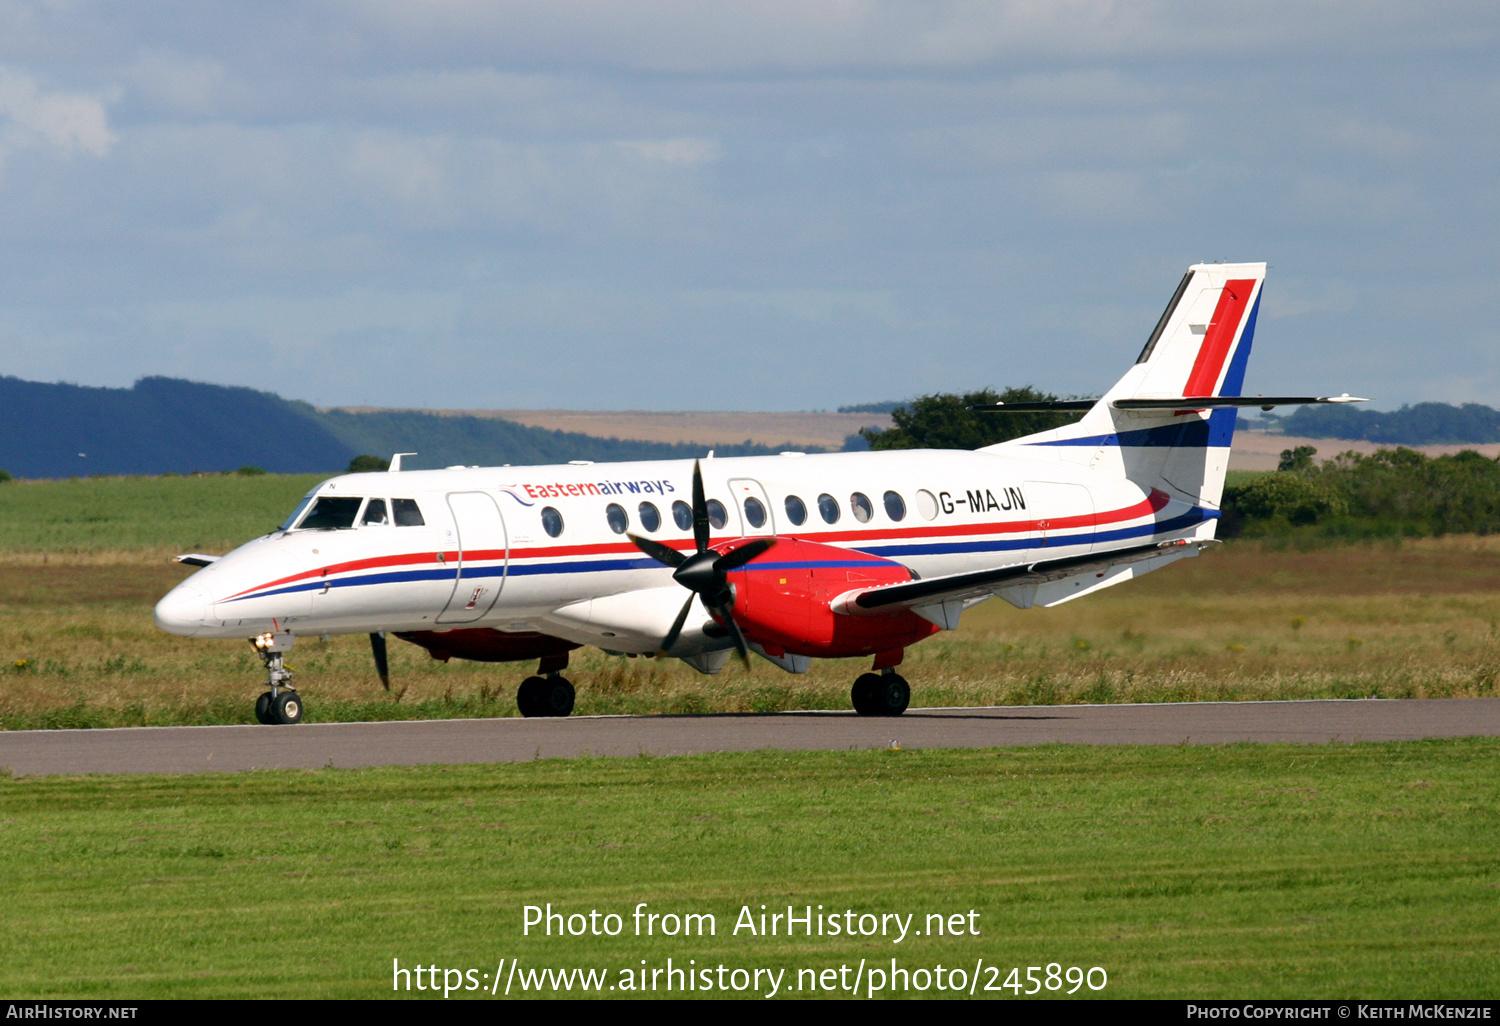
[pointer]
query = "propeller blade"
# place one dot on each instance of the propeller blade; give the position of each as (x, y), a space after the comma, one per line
(700, 509)
(382, 666)
(734, 632)
(657, 551)
(742, 555)
(671, 638)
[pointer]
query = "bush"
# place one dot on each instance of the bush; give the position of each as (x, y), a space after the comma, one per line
(1391, 492)
(5, 476)
(1282, 499)
(249, 472)
(368, 465)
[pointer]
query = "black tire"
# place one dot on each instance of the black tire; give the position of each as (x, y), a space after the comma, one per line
(263, 709)
(528, 697)
(556, 697)
(286, 708)
(864, 693)
(892, 695)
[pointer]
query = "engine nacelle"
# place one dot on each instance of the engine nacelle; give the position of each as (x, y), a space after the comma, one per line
(783, 601)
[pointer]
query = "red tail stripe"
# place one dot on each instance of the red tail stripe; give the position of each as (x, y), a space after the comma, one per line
(1219, 337)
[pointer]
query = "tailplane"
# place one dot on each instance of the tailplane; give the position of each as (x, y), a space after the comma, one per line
(1147, 425)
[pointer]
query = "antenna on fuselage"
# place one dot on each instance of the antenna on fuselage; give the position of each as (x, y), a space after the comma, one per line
(395, 467)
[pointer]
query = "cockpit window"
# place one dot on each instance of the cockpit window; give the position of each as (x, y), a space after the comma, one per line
(286, 525)
(331, 512)
(375, 514)
(406, 513)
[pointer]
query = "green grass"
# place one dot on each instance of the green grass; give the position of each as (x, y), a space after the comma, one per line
(177, 514)
(1245, 871)
(1245, 621)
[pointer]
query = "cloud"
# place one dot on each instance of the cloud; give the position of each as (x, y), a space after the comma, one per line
(683, 152)
(61, 122)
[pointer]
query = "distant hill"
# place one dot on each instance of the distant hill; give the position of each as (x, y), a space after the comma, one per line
(1422, 424)
(165, 425)
(159, 425)
(442, 441)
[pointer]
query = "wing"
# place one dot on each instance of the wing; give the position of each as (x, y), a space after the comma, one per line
(1045, 583)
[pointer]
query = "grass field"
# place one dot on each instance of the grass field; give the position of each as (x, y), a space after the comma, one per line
(83, 561)
(1236, 872)
(1244, 621)
(108, 517)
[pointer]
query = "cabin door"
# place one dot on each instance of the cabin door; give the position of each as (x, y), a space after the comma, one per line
(483, 556)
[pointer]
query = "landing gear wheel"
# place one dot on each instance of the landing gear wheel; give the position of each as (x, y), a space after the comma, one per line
(881, 694)
(528, 699)
(286, 708)
(863, 694)
(557, 696)
(892, 696)
(263, 709)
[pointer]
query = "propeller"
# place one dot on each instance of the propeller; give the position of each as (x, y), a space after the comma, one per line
(382, 665)
(705, 573)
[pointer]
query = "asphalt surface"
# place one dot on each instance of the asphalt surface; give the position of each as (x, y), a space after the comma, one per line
(411, 743)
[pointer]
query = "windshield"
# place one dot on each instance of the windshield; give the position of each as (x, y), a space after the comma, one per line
(286, 525)
(332, 512)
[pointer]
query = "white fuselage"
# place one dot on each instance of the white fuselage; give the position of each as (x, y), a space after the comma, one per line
(483, 555)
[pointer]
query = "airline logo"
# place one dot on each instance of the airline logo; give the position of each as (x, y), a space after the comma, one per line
(578, 488)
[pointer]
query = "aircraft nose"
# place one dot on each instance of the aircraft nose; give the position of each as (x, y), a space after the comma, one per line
(182, 610)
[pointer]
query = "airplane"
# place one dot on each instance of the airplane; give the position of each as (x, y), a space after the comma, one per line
(793, 557)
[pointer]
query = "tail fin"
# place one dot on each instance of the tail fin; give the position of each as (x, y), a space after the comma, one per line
(1200, 348)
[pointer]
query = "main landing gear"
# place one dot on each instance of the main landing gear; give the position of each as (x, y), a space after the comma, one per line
(548, 693)
(883, 692)
(281, 704)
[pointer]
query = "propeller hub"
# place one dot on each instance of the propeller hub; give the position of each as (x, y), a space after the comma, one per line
(699, 574)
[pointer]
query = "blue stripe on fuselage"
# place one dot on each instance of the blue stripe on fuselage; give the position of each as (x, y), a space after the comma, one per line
(1193, 516)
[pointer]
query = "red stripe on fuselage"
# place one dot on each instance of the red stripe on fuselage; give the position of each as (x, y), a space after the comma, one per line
(1219, 337)
(1147, 506)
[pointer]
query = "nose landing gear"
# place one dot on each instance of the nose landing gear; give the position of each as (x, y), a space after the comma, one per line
(281, 704)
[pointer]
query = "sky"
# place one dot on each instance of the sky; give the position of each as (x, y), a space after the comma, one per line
(775, 205)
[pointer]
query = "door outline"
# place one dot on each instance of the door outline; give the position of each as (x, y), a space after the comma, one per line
(1052, 499)
(477, 605)
(742, 488)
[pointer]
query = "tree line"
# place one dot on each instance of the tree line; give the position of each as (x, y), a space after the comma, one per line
(1390, 493)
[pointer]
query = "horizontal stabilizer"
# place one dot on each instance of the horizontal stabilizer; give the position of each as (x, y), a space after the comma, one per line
(1209, 402)
(930, 590)
(1188, 402)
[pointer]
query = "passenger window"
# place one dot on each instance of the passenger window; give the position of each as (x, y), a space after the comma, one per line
(552, 521)
(895, 506)
(614, 513)
(796, 510)
(927, 504)
(406, 513)
(859, 502)
(375, 514)
(682, 515)
(650, 517)
(331, 512)
(718, 516)
(755, 513)
(828, 507)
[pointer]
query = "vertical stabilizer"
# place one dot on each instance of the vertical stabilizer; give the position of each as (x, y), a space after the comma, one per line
(1200, 348)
